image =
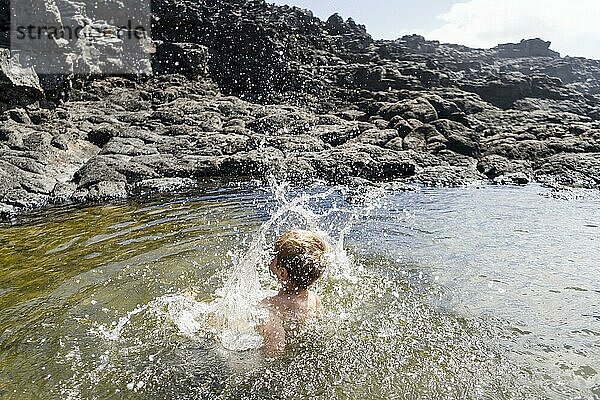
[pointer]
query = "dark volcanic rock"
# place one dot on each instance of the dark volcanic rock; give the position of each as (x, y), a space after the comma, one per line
(459, 138)
(579, 170)
(527, 48)
(17, 82)
(503, 170)
(247, 88)
(189, 59)
(362, 161)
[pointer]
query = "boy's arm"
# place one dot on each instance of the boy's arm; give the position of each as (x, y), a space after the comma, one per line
(273, 335)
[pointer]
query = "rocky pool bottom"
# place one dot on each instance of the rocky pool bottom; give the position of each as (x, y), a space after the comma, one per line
(478, 292)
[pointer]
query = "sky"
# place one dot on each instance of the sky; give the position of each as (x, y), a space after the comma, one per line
(572, 26)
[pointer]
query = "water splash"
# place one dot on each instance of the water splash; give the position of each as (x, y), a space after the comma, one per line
(113, 332)
(233, 316)
(235, 313)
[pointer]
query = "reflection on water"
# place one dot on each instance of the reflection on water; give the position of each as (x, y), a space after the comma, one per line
(438, 293)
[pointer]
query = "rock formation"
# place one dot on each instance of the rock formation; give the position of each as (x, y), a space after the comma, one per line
(246, 88)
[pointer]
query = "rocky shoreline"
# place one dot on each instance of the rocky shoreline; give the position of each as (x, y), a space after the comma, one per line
(249, 89)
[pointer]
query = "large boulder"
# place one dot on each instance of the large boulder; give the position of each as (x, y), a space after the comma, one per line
(460, 139)
(503, 170)
(79, 39)
(575, 170)
(418, 108)
(447, 176)
(335, 24)
(501, 91)
(362, 161)
(526, 48)
(248, 54)
(17, 82)
(189, 59)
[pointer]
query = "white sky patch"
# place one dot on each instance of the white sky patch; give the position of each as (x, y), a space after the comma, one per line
(573, 27)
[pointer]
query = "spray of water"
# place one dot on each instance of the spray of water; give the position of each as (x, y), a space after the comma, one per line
(233, 316)
(235, 311)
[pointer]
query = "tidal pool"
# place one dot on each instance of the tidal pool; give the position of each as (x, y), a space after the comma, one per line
(480, 292)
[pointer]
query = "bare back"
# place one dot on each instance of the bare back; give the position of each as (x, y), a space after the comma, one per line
(288, 314)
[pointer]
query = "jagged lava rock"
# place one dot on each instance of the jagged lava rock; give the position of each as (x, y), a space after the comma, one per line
(247, 88)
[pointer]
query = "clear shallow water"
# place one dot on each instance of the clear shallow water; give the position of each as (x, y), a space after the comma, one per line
(486, 292)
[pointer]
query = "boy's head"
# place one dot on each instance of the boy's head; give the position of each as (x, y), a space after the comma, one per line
(302, 255)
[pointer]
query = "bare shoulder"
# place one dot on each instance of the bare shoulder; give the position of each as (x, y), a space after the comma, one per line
(273, 304)
(266, 302)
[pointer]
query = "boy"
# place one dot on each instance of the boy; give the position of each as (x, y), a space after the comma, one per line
(298, 262)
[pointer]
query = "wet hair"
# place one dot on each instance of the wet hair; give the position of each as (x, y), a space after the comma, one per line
(303, 255)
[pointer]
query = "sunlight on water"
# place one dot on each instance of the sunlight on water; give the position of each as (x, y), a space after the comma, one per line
(434, 293)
